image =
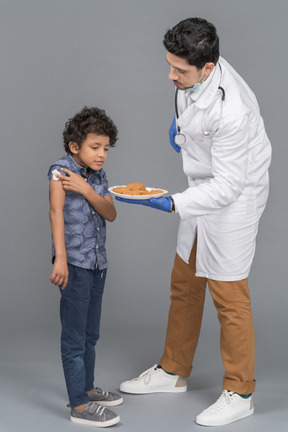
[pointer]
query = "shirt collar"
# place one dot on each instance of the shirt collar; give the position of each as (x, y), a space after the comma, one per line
(81, 170)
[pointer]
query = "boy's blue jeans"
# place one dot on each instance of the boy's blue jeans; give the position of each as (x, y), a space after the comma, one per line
(80, 311)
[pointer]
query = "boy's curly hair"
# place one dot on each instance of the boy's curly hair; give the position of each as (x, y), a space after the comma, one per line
(89, 120)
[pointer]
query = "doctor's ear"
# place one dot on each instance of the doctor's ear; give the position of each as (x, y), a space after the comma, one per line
(208, 68)
(74, 147)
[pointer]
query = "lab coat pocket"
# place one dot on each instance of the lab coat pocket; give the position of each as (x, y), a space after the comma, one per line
(198, 150)
(202, 140)
(184, 146)
(189, 143)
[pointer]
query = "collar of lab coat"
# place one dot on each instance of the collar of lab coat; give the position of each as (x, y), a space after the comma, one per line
(204, 97)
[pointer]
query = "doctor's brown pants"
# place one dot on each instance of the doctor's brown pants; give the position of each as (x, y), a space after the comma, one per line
(233, 304)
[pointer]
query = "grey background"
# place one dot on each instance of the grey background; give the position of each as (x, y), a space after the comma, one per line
(56, 57)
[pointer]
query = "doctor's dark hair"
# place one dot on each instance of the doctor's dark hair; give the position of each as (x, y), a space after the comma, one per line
(194, 39)
(89, 120)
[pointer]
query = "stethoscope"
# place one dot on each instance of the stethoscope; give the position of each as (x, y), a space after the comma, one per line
(180, 138)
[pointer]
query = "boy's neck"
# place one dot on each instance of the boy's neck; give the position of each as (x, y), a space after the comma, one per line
(77, 160)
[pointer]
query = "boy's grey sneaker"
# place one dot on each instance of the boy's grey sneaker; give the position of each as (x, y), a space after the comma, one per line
(94, 415)
(105, 398)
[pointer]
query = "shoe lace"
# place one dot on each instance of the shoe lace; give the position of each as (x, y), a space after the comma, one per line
(147, 374)
(222, 401)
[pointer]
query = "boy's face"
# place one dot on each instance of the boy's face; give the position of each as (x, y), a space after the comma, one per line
(93, 151)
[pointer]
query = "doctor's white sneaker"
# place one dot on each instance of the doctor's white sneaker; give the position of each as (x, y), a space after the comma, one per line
(227, 409)
(155, 380)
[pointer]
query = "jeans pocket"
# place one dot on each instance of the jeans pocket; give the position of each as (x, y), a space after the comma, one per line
(71, 276)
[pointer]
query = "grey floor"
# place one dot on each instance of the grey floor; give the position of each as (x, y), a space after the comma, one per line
(33, 396)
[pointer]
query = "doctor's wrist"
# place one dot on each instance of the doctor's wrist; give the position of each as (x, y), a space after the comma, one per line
(172, 208)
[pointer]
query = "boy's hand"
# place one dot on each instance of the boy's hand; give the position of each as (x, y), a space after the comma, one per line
(72, 181)
(60, 273)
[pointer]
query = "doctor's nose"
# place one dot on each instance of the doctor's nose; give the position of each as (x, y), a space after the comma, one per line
(173, 76)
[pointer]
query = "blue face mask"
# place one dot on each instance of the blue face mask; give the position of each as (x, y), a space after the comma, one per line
(198, 85)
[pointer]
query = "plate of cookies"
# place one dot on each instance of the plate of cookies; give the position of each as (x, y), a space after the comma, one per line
(136, 191)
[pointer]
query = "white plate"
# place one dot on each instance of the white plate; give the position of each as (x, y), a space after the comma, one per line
(138, 197)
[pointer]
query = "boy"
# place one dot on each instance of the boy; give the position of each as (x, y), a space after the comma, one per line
(79, 205)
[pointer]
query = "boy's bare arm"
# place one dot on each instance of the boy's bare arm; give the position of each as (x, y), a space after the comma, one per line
(103, 205)
(60, 269)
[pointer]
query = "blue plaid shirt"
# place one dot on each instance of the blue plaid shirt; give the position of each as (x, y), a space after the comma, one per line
(85, 229)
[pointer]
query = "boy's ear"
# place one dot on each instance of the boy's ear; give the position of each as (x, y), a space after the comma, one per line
(73, 146)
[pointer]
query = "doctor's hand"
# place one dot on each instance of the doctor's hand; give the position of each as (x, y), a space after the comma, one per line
(162, 203)
(172, 134)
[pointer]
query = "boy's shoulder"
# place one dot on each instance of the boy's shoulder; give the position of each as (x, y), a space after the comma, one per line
(64, 162)
(68, 162)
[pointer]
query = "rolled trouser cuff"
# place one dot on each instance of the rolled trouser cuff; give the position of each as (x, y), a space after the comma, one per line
(238, 386)
(171, 366)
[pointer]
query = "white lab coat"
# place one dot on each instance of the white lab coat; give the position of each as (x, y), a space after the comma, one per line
(227, 176)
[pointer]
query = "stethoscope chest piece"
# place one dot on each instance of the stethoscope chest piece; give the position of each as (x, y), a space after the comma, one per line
(179, 139)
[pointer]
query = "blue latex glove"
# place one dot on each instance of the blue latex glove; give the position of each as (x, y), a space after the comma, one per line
(162, 203)
(172, 134)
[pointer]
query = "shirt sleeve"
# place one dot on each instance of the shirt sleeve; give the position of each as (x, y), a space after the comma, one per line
(105, 185)
(229, 154)
(54, 169)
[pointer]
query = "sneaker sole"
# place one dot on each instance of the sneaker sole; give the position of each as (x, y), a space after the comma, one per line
(156, 390)
(224, 422)
(109, 403)
(106, 423)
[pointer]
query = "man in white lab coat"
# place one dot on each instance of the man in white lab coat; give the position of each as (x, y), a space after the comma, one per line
(226, 154)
